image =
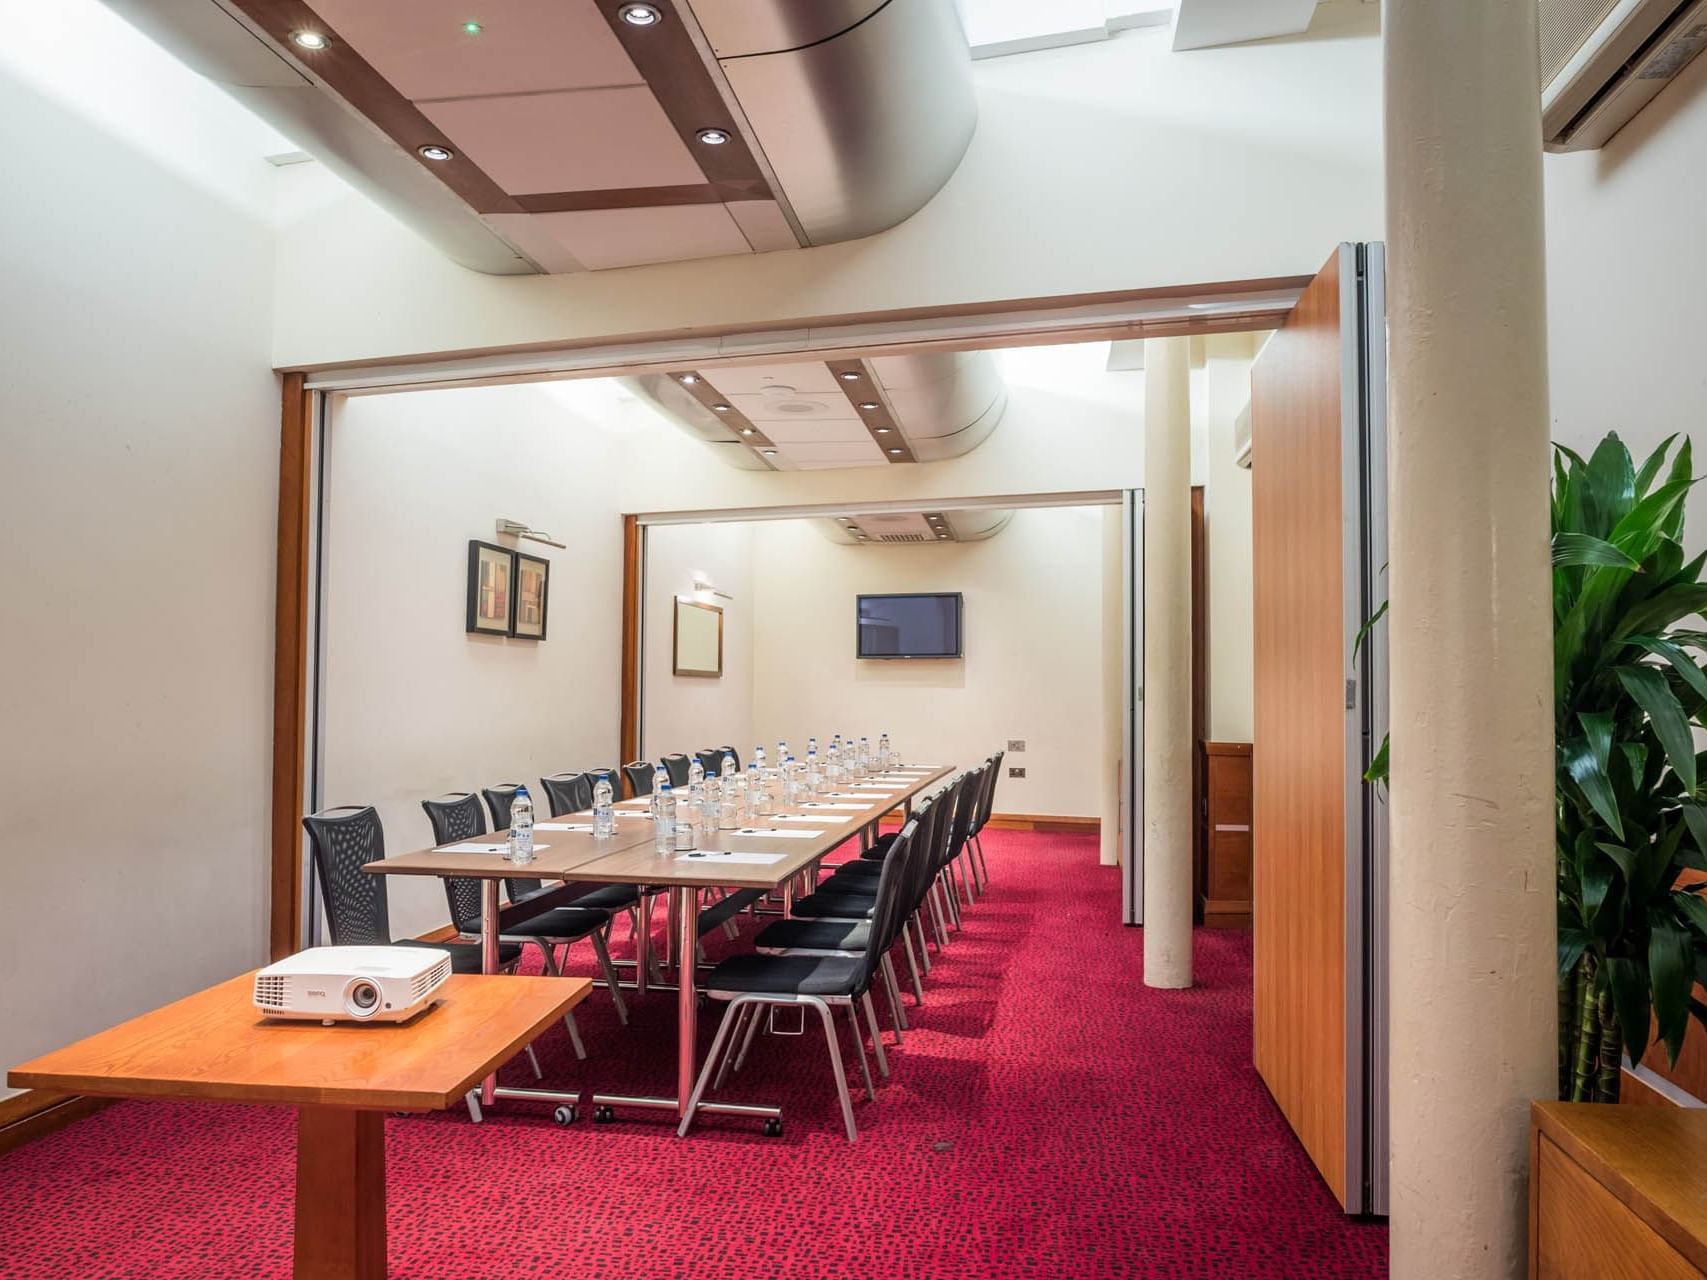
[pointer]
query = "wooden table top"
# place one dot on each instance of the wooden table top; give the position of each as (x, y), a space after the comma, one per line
(216, 1046)
(628, 857)
(1650, 1158)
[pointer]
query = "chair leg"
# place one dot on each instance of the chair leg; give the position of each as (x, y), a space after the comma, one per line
(950, 896)
(747, 1040)
(601, 948)
(746, 1014)
(533, 1061)
(473, 1100)
(912, 960)
(705, 1071)
(836, 1066)
(655, 971)
(859, 1048)
(892, 989)
(548, 958)
(876, 1035)
(924, 949)
(575, 1034)
(978, 841)
(937, 926)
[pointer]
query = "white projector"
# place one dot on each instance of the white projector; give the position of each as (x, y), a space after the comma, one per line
(352, 984)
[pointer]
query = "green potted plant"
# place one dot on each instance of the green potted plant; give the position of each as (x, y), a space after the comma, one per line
(1629, 697)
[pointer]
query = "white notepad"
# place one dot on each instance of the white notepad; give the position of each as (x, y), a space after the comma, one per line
(775, 832)
(563, 826)
(801, 817)
(845, 808)
(478, 846)
(712, 855)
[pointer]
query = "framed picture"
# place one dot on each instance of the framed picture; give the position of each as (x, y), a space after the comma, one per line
(491, 588)
(699, 639)
(528, 620)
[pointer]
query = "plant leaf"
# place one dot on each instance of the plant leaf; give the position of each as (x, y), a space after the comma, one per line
(1648, 687)
(1628, 986)
(1651, 467)
(1572, 943)
(1589, 773)
(1623, 857)
(1670, 964)
(1691, 909)
(1586, 549)
(1680, 661)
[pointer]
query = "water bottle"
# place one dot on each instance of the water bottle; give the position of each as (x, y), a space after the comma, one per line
(686, 819)
(710, 802)
(790, 783)
(864, 755)
(758, 757)
(696, 772)
(729, 769)
(833, 764)
(883, 760)
(604, 813)
(664, 825)
(781, 753)
(811, 748)
(758, 791)
(730, 802)
(521, 827)
(660, 776)
(813, 779)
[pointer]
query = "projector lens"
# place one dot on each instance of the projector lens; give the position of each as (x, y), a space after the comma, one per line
(362, 998)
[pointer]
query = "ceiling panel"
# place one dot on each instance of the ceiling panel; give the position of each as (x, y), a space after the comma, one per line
(600, 238)
(592, 139)
(814, 457)
(816, 432)
(814, 378)
(794, 407)
(532, 236)
(523, 46)
(762, 222)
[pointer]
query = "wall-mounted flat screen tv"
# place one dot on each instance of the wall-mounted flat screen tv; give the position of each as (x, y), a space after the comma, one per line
(909, 626)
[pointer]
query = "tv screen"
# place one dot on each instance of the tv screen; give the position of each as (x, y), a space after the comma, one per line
(910, 626)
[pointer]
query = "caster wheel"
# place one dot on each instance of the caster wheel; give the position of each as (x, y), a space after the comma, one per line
(773, 1128)
(564, 1115)
(603, 1115)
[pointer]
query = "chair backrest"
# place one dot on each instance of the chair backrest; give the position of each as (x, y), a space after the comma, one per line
(891, 908)
(639, 775)
(458, 817)
(922, 870)
(342, 840)
(711, 760)
(676, 766)
(568, 792)
(987, 797)
(966, 810)
(498, 800)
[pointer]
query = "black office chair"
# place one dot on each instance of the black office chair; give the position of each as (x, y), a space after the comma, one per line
(341, 842)
(458, 817)
(639, 775)
(985, 805)
(569, 793)
(711, 760)
(752, 982)
(676, 766)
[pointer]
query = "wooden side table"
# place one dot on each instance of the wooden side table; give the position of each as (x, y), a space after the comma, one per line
(1617, 1192)
(215, 1046)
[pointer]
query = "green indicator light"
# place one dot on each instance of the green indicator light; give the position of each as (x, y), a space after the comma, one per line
(471, 28)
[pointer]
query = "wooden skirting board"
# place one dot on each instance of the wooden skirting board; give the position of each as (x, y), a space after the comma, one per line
(35, 1113)
(1045, 822)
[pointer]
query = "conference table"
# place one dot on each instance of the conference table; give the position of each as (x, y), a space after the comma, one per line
(216, 1046)
(769, 854)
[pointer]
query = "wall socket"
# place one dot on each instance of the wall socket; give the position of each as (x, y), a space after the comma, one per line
(1017, 772)
(1016, 744)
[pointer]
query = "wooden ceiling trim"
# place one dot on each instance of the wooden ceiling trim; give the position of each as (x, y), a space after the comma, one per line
(710, 397)
(669, 62)
(351, 77)
(641, 197)
(880, 421)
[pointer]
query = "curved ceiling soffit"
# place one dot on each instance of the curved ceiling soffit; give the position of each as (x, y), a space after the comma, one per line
(814, 415)
(839, 118)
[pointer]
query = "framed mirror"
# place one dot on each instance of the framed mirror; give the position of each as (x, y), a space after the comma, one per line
(699, 639)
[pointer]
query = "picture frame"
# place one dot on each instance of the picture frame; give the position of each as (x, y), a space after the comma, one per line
(491, 589)
(532, 599)
(697, 642)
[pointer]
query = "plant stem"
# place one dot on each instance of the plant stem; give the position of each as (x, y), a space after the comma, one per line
(1567, 1027)
(1611, 1052)
(1586, 1034)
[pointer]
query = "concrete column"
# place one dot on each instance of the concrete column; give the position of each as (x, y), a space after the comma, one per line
(1470, 637)
(1167, 663)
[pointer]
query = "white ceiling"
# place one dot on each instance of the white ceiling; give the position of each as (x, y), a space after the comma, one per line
(998, 27)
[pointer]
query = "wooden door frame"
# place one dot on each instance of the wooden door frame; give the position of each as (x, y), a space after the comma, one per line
(290, 663)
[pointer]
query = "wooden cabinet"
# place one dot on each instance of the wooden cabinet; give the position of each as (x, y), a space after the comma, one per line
(1615, 1192)
(1226, 879)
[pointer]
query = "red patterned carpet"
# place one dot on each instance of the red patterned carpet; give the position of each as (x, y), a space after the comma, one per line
(1048, 1117)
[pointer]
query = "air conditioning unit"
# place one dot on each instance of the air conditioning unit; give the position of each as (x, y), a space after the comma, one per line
(1602, 61)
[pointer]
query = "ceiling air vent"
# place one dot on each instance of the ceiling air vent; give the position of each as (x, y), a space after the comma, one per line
(1602, 61)
(900, 537)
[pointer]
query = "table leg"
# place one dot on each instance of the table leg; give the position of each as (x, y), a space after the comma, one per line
(642, 944)
(687, 991)
(488, 963)
(340, 1194)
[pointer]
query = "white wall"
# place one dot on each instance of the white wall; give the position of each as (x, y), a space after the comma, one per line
(687, 713)
(1227, 532)
(1237, 163)
(1033, 641)
(1626, 273)
(139, 426)
(415, 706)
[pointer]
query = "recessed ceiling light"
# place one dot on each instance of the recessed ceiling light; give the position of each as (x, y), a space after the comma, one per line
(942, 535)
(713, 137)
(747, 431)
(308, 40)
(688, 379)
(721, 408)
(432, 151)
(894, 451)
(471, 28)
(869, 404)
(641, 15)
(850, 375)
(769, 453)
(882, 431)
